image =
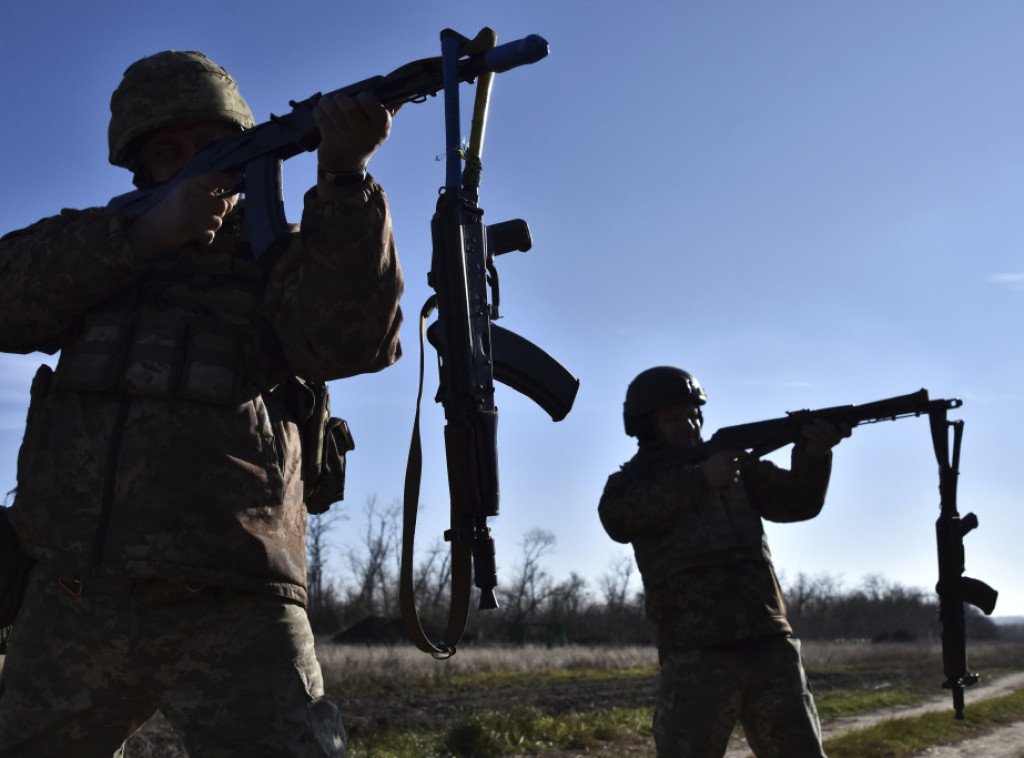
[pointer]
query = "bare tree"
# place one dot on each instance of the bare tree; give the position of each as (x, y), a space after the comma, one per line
(812, 597)
(531, 585)
(375, 567)
(432, 580)
(568, 599)
(322, 599)
(615, 583)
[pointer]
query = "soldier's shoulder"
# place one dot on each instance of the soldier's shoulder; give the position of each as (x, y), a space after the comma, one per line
(66, 216)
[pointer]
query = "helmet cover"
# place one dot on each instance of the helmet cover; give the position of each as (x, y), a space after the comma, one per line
(170, 87)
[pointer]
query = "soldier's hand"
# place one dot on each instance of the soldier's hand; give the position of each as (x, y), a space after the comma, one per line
(820, 436)
(352, 129)
(721, 469)
(193, 212)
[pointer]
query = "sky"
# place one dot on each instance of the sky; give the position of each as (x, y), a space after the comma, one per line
(805, 204)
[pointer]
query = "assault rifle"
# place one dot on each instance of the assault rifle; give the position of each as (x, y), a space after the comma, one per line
(954, 589)
(255, 156)
(762, 437)
(472, 353)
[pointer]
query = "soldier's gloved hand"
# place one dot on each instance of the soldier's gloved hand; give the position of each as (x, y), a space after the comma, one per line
(352, 129)
(192, 213)
(721, 469)
(820, 436)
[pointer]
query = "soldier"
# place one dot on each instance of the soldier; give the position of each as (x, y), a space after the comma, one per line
(161, 477)
(726, 650)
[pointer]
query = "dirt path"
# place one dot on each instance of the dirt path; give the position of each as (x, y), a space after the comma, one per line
(1007, 742)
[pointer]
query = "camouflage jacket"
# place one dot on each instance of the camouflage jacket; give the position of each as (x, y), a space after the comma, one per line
(134, 471)
(702, 552)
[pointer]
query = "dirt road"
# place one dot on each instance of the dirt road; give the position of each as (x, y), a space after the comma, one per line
(1007, 742)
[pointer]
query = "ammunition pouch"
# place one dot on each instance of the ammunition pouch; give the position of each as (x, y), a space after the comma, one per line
(325, 441)
(159, 354)
(187, 330)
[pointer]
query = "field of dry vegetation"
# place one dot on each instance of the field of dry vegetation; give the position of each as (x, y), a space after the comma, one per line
(385, 691)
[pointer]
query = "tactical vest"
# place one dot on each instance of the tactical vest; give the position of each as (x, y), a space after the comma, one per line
(189, 328)
(718, 531)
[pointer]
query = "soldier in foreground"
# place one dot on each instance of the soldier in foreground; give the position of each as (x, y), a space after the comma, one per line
(161, 477)
(726, 650)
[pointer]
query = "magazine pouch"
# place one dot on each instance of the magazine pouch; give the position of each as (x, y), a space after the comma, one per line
(325, 441)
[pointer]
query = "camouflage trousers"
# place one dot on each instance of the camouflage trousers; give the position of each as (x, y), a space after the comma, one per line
(91, 660)
(703, 693)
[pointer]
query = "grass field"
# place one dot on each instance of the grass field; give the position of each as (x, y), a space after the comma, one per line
(517, 701)
(580, 700)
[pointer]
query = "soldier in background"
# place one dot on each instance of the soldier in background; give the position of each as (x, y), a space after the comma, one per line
(162, 490)
(726, 650)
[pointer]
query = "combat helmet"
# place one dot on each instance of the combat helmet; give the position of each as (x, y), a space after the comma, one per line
(653, 388)
(165, 88)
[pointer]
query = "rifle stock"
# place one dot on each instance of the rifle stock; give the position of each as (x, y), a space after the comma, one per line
(255, 156)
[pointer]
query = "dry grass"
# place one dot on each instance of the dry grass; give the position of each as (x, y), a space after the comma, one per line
(405, 661)
(919, 660)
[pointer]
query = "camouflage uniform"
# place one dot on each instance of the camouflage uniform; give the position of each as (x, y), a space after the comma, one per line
(234, 672)
(723, 639)
(160, 481)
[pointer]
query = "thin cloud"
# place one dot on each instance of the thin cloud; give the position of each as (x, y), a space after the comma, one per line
(1009, 281)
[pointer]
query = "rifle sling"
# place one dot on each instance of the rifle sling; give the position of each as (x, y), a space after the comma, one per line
(462, 567)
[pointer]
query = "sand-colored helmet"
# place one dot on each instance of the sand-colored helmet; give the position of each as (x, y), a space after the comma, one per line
(655, 387)
(165, 88)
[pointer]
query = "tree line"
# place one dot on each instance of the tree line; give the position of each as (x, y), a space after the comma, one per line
(535, 607)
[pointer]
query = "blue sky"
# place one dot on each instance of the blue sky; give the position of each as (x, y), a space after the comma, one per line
(806, 204)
